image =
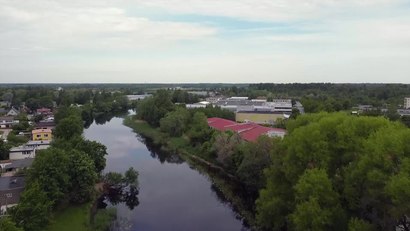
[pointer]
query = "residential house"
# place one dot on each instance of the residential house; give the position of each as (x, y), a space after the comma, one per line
(44, 111)
(247, 131)
(41, 134)
(44, 124)
(363, 108)
(39, 144)
(22, 152)
(7, 121)
(10, 192)
(14, 166)
(13, 112)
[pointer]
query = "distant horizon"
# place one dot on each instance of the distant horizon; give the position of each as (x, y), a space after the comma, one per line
(199, 83)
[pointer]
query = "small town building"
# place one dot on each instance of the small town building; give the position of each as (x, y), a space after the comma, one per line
(137, 97)
(41, 134)
(407, 103)
(248, 131)
(10, 192)
(195, 105)
(7, 121)
(44, 124)
(13, 112)
(403, 112)
(44, 111)
(22, 152)
(39, 144)
(14, 166)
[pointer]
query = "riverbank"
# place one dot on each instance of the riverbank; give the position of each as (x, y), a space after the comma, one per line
(226, 183)
(74, 217)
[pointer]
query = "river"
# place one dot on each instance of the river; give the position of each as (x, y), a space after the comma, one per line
(172, 196)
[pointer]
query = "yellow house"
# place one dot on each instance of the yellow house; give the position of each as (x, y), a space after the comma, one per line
(258, 117)
(41, 134)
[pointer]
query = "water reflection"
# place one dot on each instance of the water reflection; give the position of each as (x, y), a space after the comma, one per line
(161, 155)
(115, 196)
(172, 195)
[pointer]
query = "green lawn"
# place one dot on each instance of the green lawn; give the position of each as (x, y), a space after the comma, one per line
(71, 218)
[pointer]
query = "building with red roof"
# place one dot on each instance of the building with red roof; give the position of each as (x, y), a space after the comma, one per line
(219, 123)
(248, 131)
(44, 111)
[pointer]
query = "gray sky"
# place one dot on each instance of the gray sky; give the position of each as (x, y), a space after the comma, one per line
(145, 41)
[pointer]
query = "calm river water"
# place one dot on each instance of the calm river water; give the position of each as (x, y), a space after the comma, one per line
(173, 196)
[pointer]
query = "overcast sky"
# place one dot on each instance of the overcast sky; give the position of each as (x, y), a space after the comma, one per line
(189, 41)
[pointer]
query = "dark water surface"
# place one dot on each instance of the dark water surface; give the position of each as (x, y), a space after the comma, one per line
(172, 195)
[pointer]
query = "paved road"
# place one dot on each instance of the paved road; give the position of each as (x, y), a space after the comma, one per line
(5, 133)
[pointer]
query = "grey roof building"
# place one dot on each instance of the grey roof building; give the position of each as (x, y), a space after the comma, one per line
(10, 192)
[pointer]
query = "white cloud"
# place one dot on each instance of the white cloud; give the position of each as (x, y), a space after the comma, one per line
(86, 27)
(105, 41)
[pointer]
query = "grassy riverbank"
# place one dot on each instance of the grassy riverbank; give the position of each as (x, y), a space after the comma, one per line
(78, 218)
(226, 183)
(74, 217)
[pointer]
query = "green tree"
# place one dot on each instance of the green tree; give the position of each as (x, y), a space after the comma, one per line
(6, 224)
(34, 209)
(50, 170)
(153, 109)
(131, 176)
(175, 123)
(96, 151)
(256, 157)
(362, 161)
(356, 224)
(199, 131)
(225, 146)
(82, 175)
(317, 204)
(4, 150)
(69, 127)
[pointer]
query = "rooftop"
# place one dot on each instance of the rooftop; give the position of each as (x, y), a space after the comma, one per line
(22, 148)
(6, 118)
(7, 183)
(38, 142)
(248, 131)
(219, 123)
(23, 163)
(41, 131)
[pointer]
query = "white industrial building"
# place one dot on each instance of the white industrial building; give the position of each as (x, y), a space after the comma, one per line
(407, 103)
(22, 152)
